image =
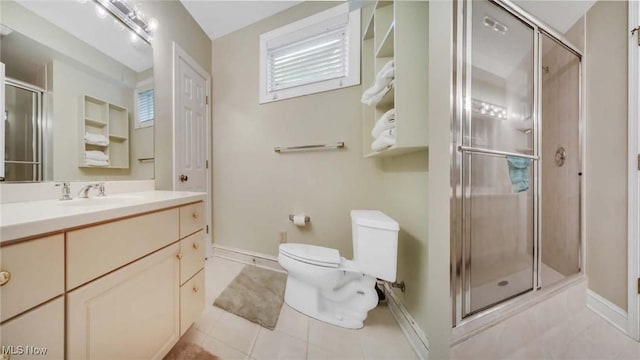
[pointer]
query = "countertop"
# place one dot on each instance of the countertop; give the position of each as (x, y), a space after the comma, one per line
(25, 219)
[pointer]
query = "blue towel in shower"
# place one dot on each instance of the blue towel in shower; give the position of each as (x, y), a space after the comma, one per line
(519, 172)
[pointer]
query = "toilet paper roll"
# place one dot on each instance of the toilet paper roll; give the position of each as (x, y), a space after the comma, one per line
(300, 220)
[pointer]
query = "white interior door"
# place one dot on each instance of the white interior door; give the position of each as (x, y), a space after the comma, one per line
(191, 128)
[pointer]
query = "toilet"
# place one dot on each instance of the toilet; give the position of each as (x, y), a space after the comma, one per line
(330, 288)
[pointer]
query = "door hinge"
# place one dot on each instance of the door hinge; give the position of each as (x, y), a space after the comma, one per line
(634, 30)
(638, 161)
(208, 232)
(206, 163)
(207, 97)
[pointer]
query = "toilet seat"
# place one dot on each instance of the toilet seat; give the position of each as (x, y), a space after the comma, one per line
(311, 254)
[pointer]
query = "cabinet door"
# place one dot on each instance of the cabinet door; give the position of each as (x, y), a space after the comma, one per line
(37, 334)
(193, 254)
(191, 301)
(132, 313)
(31, 282)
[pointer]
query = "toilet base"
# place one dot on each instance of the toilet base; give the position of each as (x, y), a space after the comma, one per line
(310, 301)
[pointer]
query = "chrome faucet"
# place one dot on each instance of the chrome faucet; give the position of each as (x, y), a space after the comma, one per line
(66, 190)
(84, 191)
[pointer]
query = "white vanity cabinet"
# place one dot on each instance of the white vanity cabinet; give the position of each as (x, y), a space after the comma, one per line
(120, 289)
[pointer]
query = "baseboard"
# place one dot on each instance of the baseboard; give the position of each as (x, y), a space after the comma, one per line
(418, 340)
(607, 310)
(247, 257)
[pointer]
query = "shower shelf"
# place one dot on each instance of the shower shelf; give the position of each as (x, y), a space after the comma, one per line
(386, 21)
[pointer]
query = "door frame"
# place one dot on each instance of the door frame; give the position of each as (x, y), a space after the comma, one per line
(633, 207)
(180, 54)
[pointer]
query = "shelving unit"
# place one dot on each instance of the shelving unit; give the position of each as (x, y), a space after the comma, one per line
(111, 121)
(398, 31)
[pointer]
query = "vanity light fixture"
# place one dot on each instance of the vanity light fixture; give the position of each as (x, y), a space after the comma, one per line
(497, 26)
(130, 16)
(488, 109)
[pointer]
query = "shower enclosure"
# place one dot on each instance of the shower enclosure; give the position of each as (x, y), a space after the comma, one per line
(23, 131)
(516, 158)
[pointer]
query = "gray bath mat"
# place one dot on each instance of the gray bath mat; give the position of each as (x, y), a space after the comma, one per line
(256, 294)
(189, 351)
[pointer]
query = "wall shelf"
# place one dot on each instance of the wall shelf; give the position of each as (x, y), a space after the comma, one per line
(388, 21)
(111, 121)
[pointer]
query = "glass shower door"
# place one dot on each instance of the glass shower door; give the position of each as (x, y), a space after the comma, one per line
(22, 134)
(498, 159)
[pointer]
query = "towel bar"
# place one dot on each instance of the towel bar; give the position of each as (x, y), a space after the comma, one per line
(495, 152)
(338, 145)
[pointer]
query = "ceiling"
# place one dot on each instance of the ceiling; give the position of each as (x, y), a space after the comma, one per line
(560, 15)
(218, 18)
(81, 21)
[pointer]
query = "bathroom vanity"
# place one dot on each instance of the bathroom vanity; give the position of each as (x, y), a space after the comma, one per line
(114, 277)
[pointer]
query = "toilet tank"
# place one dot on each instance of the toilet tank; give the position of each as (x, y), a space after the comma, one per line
(375, 243)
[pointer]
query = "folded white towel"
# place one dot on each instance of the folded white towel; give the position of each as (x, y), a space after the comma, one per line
(96, 155)
(386, 122)
(377, 97)
(96, 163)
(383, 78)
(96, 139)
(385, 140)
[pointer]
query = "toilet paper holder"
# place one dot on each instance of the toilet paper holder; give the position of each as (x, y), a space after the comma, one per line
(307, 219)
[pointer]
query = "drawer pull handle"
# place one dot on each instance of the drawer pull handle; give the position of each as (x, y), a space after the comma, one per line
(196, 246)
(195, 288)
(179, 256)
(5, 276)
(195, 215)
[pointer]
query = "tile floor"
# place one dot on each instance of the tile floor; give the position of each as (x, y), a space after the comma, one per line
(584, 335)
(296, 336)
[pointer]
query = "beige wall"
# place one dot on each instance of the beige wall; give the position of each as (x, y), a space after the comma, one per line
(70, 84)
(175, 25)
(606, 153)
(256, 189)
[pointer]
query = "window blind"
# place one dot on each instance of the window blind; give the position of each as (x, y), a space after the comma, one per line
(145, 106)
(320, 57)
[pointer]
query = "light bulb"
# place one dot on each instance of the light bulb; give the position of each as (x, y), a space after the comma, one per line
(153, 24)
(100, 12)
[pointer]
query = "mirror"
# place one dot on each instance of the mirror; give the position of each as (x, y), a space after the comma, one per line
(79, 96)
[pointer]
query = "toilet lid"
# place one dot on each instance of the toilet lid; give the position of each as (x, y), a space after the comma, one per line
(316, 255)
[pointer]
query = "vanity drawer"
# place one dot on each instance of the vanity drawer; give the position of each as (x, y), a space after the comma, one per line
(191, 218)
(42, 328)
(99, 249)
(191, 301)
(34, 281)
(192, 255)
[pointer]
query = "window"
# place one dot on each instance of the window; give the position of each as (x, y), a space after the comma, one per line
(318, 53)
(144, 104)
